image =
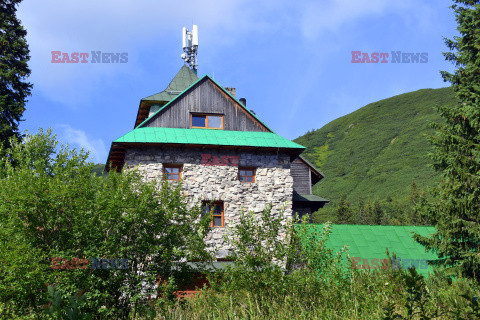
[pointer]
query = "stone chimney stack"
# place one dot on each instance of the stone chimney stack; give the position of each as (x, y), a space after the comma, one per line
(232, 91)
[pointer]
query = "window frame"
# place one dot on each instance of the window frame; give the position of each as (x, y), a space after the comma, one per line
(246, 169)
(171, 165)
(212, 203)
(206, 115)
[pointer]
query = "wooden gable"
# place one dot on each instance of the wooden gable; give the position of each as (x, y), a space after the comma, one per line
(305, 175)
(205, 97)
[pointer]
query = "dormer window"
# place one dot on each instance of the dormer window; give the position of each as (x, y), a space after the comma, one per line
(207, 121)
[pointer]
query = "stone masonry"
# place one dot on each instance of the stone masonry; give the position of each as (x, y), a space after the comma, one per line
(212, 175)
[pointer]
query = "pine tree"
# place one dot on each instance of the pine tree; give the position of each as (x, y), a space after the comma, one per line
(363, 211)
(455, 209)
(377, 213)
(414, 200)
(14, 56)
(343, 213)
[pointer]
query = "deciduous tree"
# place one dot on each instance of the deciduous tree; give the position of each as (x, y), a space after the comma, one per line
(52, 205)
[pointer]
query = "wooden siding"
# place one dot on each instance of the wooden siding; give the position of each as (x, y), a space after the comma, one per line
(301, 177)
(206, 97)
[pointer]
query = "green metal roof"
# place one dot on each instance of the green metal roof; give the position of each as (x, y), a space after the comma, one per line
(182, 80)
(370, 242)
(308, 198)
(207, 137)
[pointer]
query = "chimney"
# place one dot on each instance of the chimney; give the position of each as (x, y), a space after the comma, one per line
(232, 91)
(243, 101)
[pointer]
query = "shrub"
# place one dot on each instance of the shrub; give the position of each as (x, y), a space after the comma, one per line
(52, 205)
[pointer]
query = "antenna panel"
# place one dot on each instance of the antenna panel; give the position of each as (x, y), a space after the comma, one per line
(184, 37)
(195, 35)
(190, 47)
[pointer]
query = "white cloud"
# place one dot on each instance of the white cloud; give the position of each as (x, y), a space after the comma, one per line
(78, 138)
(320, 17)
(133, 26)
(126, 26)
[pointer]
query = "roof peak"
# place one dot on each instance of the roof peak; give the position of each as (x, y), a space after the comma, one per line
(181, 81)
(206, 76)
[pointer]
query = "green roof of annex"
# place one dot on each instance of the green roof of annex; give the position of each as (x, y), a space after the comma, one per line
(369, 242)
(207, 137)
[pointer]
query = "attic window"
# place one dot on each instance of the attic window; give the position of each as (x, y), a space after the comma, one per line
(207, 121)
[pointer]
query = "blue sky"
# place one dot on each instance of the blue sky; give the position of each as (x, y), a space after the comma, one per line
(291, 60)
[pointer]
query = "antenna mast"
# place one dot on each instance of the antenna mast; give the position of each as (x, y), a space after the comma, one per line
(190, 47)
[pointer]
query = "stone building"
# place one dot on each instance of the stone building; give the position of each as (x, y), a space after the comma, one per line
(198, 132)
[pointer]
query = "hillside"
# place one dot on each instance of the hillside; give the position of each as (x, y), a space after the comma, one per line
(98, 169)
(378, 150)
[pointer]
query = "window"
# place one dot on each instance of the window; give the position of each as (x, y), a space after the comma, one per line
(216, 209)
(207, 121)
(246, 174)
(172, 171)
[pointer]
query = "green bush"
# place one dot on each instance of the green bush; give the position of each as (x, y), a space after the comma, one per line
(52, 205)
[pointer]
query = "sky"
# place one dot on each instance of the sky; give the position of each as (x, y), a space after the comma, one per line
(291, 60)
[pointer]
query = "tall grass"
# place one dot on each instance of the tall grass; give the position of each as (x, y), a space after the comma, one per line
(316, 283)
(368, 295)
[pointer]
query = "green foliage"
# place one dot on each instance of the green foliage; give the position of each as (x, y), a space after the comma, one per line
(455, 203)
(260, 247)
(378, 150)
(71, 312)
(99, 169)
(320, 155)
(386, 212)
(343, 212)
(274, 256)
(315, 284)
(14, 56)
(52, 205)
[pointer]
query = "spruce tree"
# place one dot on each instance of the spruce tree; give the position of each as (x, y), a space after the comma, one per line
(343, 213)
(363, 211)
(414, 201)
(456, 206)
(377, 213)
(14, 56)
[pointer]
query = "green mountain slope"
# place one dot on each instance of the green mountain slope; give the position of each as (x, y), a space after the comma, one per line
(378, 150)
(98, 169)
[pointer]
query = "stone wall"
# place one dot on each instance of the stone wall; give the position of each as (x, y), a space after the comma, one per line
(213, 175)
